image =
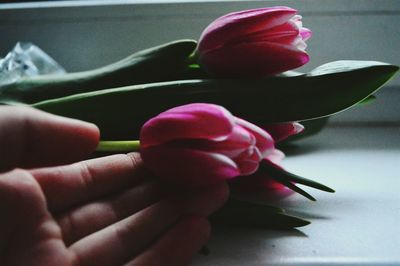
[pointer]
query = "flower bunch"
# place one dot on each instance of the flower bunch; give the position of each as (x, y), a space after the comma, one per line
(175, 98)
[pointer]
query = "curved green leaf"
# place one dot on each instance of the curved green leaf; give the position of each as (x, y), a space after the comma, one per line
(314, 126)
(242, 213)
(370, 99)
(328, 89)
(160, 63)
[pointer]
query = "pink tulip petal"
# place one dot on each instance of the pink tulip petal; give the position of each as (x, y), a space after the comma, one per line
(298, 128)
(300, 44)
(229, 27)
(256, 59)
(186, 167)
(249, 161)
(282, 131)
(202, 121)
(305, 33)
(264, 141)
(248, 167)
(297, 19)
(276, 157)
(235, 144)
(256, 12)
(284, 34)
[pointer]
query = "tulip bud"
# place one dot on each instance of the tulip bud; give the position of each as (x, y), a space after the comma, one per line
(254, 43)
(201, 144)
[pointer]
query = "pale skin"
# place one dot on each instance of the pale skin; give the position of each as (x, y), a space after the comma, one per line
(56, 209)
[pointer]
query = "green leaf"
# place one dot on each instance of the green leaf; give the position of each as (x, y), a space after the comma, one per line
(237, 203)
(293, 187)
(370, 99)
(329, 89)
(160, 63)
(243, 213)
(314, 126)
(280, 174)
(194, 66)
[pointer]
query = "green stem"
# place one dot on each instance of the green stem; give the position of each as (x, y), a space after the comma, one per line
(193, 58)
(118, 146)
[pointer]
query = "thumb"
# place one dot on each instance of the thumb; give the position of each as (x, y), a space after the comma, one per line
(32, 138)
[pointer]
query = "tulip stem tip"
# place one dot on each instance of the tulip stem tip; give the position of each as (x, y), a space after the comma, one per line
(193, 58)
(118, 146)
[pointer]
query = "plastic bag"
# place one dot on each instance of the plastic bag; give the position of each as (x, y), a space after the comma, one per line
(26, 60)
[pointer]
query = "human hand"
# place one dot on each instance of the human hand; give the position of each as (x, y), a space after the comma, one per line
(105, 211)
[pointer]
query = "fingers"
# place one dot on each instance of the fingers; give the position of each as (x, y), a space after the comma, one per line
(32, 138)
(178, 246)
(125, 239)
(28, 234)
(66, 186)
(21, 202)
(92, 217)
(24, 218)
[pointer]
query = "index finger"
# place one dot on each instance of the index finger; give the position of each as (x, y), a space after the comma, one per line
(32, 138)
(78, 183)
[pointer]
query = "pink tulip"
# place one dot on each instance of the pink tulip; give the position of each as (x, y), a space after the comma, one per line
(200, 144)
(254, 43)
